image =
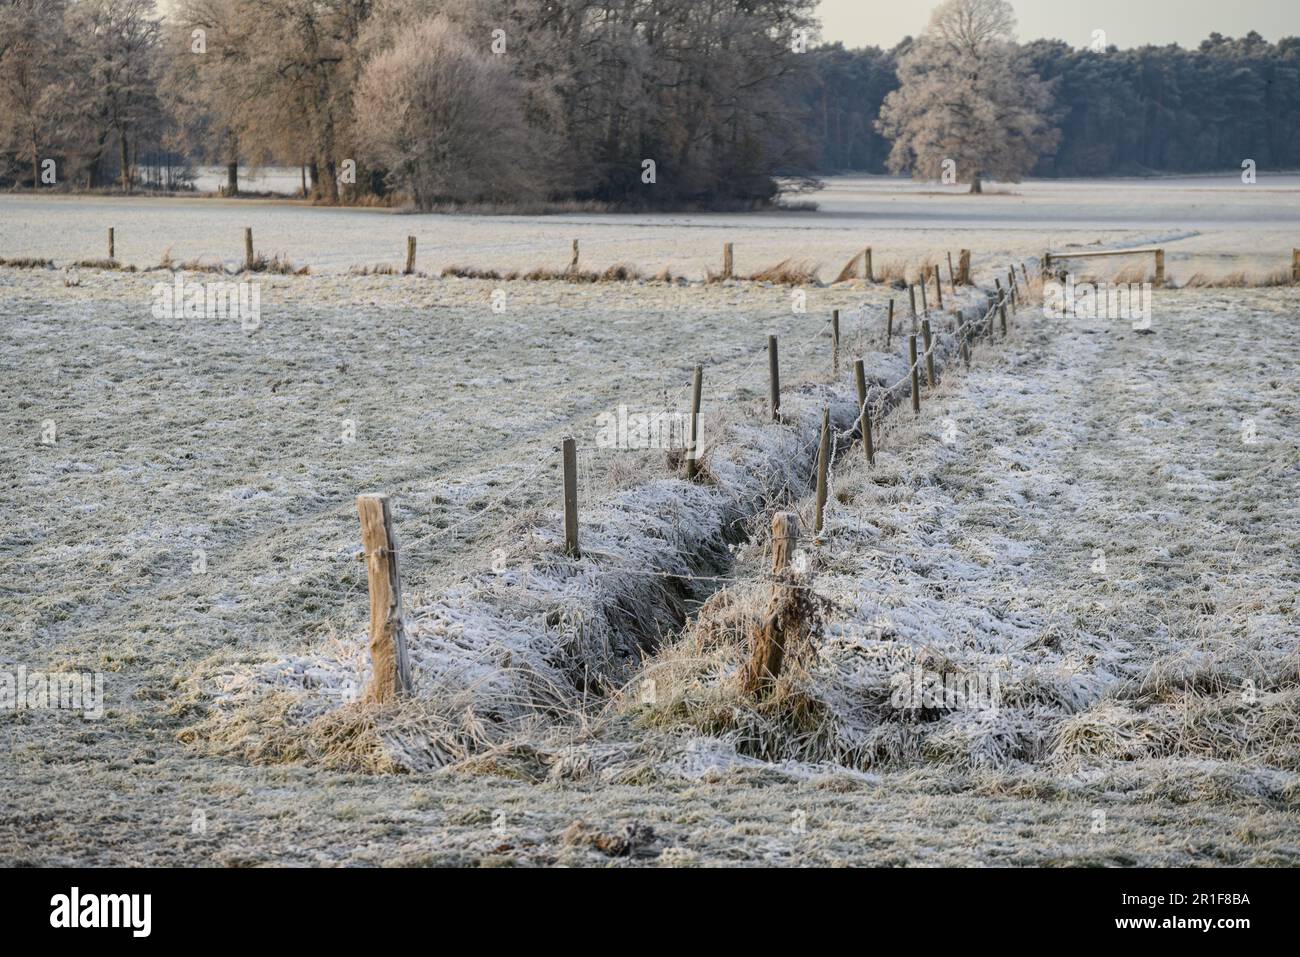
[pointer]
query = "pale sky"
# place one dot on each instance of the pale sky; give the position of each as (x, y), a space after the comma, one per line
(1128, 23)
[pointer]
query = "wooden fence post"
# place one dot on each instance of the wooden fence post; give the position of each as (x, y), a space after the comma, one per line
(916, 375)
(911, 294)
(823, 468)
(1002, 309)
(868, 271)
(728, 260)
(1025, 272)
(768, 647)
(889, 326)
(573, 260)
(925, 305)
(930, 378)
(693, 450)
(410, 256)
(835, 342)
(1160, 268)
(864, 416)
(774, 379)
(248, 248)
(938, 286)
(111, 245)
(391, 673)
(964, 267)
(571, 499)
(1295, 265)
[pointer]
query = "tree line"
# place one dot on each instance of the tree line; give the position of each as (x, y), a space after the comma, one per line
(656, 103)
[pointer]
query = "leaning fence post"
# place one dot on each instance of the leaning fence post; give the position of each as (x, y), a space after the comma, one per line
(930, 379)
(916, 375)
(693, 450)
(774, 379)
(835, 342)
(570, 460)
(768, 651)
(938, 286)
(391, 666)
(868, 443)
(889, 326)
(728, 260)
(111, 244)
(823, 468)
(248, 248)
(410, 256)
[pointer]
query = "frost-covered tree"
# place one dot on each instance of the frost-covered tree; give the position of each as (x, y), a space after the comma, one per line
(968, 105)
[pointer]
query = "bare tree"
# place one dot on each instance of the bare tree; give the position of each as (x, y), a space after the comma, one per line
(967, 105)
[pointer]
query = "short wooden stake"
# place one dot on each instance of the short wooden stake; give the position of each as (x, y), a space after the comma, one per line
(864, 415)
(410, 256)
(573, 260)
(868, 272)
(111, 245)
(774, 379)
(728, 260)
(693, 450)
(938, 287)
(391, 672)
(963, 267)
(248, 248)
(823, 470)
(889, 326)
(1160, 268)
(570, 459)
(835, 342)
(930, 379)
(768, 650)
(916, 375)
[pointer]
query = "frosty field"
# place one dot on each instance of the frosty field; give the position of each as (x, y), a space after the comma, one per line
(1108, 520)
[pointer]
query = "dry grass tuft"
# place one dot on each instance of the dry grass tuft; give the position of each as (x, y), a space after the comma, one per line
(788, 272)
(28, 263)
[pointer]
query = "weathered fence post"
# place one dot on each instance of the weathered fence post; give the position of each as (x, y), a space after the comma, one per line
(868, 271)
(768, 648)
(391, 671)
(930, 379)
(111, 245)
(1295, 265)
(571, 499)
(573, 260)
(1160, 268)
(864, 416)
(835, 342)
(963, 267)
(728, 260)
(916, 375)
(925, 305)
(693, 450)
(911, 295)
(248, 248)
(938, 286)
(410, 256)
(823, 469)
(1002, 309)
(889, 326)
(774, 379)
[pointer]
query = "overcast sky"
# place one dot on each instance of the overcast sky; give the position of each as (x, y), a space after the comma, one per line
(1128, 23)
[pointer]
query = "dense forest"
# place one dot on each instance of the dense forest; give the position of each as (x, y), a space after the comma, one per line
(636, 103)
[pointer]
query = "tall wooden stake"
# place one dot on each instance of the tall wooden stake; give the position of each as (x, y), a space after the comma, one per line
(248, 248)
(916, 375)
(835, 342)
(864, 416)
(938, 286)
(868, 271)
(693, 450)
(111, 245)
(391, 672)
(410, 256)
(930, 379)
(889, 326)
(823, 468)
(571, 499)
(774, 379)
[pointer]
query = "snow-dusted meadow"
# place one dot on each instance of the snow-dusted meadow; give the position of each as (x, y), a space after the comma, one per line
(1105, 520)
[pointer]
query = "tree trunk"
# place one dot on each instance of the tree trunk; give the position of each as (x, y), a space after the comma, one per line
(302, 168)
(126, 162)
(232, 179)
(977, 184)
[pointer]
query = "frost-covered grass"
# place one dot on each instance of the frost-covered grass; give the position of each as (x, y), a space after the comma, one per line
(227, 687)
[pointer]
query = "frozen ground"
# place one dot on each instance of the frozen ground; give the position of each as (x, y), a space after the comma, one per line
(972, 542)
